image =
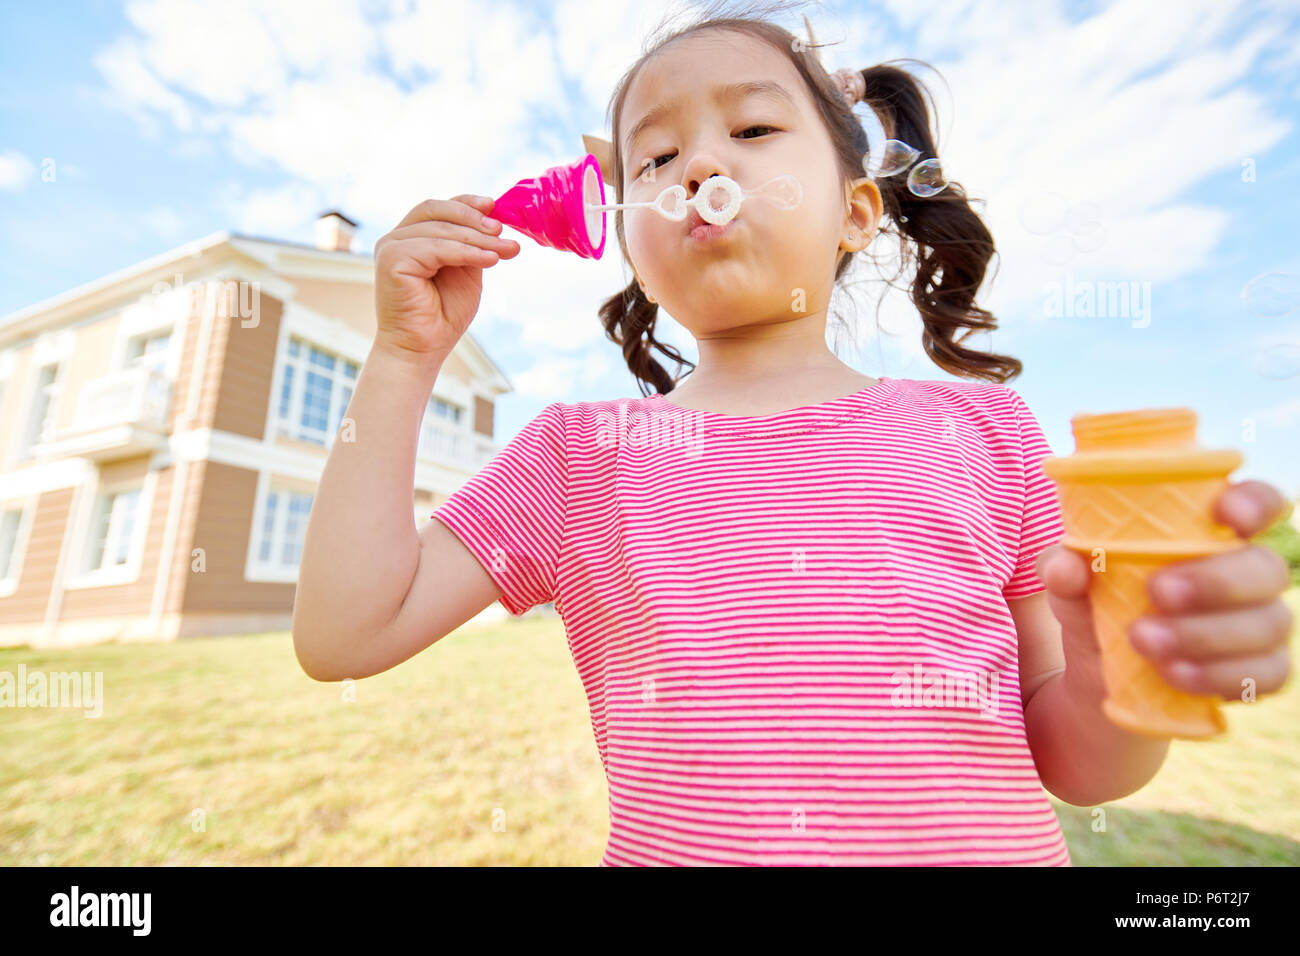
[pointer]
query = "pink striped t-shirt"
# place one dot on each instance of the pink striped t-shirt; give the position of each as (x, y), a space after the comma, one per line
(792, 629)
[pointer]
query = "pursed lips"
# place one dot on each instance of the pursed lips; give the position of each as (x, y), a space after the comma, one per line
(693, 219)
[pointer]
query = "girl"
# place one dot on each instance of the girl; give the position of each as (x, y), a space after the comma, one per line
(810, 608)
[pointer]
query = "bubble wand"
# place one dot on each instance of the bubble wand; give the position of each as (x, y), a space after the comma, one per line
(565, 207)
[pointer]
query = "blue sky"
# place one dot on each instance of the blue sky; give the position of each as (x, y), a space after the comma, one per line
(1163, 135)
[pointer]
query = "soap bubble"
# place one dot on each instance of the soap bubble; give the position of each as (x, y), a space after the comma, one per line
(1059, 249)
(1081, 215)
(1089, 237)
(1273, 294)
(783, 192)
(1279, 361)
(894, 158)
(926, 179)
(1044, 213)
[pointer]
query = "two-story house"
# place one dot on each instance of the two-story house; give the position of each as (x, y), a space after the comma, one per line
(162, 431)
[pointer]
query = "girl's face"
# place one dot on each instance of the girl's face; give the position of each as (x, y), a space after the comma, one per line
(772, 264)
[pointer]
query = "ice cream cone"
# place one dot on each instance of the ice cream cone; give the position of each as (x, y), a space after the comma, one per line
(1138, 494)
(552, 208)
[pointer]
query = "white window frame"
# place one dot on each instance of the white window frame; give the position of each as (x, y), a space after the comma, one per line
(429, 426)
(29, 435)
(255, 568)
(154, 315)
(160, 359)
(27, 509)
(82, 577)
(342, 386)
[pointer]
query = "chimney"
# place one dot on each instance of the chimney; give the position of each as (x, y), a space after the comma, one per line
(334, 231)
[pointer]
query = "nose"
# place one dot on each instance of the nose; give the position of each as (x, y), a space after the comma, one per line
(701, 167)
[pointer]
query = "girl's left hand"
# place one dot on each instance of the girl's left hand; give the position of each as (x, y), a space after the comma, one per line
(1218, 620)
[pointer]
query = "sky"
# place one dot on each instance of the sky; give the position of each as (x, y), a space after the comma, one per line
(1144, 156)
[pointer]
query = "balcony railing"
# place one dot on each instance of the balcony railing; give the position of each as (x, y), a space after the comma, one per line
(135, 396)
(447, 445)
(120, 414)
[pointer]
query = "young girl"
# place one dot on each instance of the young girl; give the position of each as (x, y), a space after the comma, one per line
(808, 606)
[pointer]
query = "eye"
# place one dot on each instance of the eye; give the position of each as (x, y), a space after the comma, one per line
(655, 164)
(650, 164)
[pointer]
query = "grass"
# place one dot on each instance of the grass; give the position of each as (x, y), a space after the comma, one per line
(282, 769)
(476, 752)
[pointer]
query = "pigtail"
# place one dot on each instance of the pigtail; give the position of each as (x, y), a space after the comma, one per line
(629, 321)
(952, 246)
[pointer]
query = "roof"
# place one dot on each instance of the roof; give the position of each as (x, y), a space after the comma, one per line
(281, 257)
(335, 212)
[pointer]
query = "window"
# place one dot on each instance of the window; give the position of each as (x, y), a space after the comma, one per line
(112, 529)
(315, 388)
(148, 349)
(443, 409)
(40, 420)
(441, 435)
(9, 522)
(284, 523)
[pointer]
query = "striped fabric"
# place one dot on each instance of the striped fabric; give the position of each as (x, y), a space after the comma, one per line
(792, 629)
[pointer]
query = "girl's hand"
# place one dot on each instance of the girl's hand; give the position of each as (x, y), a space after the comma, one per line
(1218, 619)
(429, 273)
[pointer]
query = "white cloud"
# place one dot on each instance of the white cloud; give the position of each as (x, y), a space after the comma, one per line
(133, 87)
(164, 222)
(16, 170)
(561, 375)
(1284, 415)
(282, 212)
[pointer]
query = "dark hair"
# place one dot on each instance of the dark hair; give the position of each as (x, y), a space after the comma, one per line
(949, 243)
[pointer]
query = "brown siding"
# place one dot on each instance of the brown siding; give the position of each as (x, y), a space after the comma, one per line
(245, 358)
(223, 526)
(133, 597)
(454, 366)
(350, 302)
(28, 603)
(483, 416)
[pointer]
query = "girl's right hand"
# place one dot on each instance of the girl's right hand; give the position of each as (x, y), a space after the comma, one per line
(429, 273)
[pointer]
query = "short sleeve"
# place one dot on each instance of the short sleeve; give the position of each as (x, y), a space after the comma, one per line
(511, 514)
(1041, 523)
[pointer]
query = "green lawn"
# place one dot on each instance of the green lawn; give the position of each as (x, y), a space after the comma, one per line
(478, 751)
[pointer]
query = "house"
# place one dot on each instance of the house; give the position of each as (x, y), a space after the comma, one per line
(162, 431)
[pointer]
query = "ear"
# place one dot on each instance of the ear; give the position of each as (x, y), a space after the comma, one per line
(603, 150)
(865, 209)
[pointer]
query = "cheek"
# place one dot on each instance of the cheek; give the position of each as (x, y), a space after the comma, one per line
(648, 235)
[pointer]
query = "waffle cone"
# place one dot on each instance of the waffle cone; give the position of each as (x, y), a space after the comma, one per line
(1138, 495)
